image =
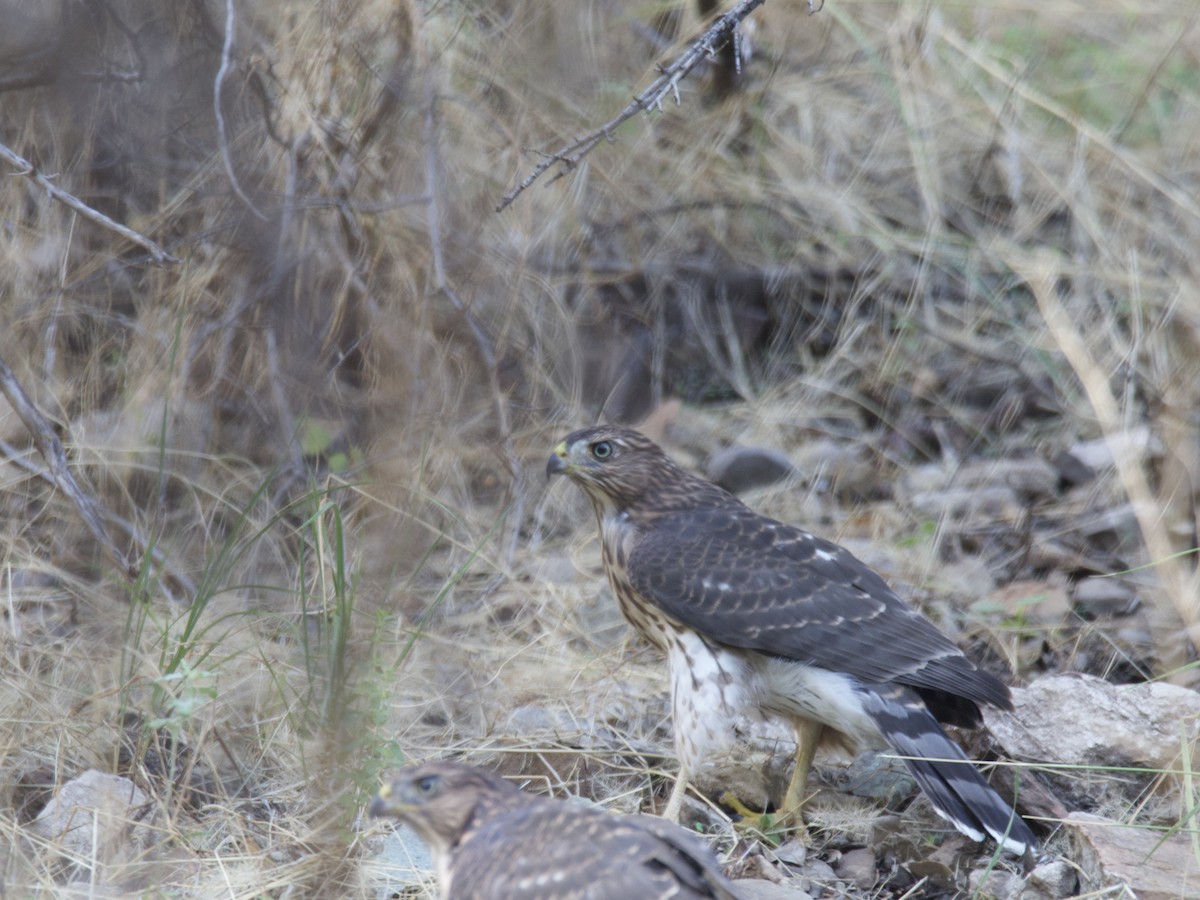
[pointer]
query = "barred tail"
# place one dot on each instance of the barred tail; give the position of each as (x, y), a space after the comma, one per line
(952, 784)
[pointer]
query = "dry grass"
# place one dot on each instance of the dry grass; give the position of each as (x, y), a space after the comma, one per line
(331, 416)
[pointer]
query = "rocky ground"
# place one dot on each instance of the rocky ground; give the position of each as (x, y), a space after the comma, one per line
(566, 700)
(1098, 756)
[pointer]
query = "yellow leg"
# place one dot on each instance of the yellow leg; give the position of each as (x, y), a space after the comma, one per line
(808, 736)
(675, 804)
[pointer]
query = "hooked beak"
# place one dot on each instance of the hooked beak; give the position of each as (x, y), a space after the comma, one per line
(385, 805)
(557, 464)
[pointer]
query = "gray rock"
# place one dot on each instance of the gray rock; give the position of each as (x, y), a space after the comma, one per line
(557, 568)
(1095, 597)
(845, 470)
(878, 777)
(1137, 637)
(739, 469)
(29, 27)
(1148, 864)
(1051, 881)
(1029, 477)
(793, 852)
(1082, 720)
(1000, 479)
(1111, 528)
(1097, 454)
(761, 889)
(819, 870)
(97, 816)
(858, 868)
(530, 719)
(994, 884)
(402, 864)
(1071, 470)
(969, 504)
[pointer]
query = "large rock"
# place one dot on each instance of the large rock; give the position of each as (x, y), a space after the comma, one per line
(1149, 864)
(97, 816)
(1082, 720)
(402, 867)
(741, 469)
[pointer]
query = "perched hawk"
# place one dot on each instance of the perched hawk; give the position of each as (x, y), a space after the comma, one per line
(492, 841)
(758, 616)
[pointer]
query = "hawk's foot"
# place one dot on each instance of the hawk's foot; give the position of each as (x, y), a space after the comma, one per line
(775, 828)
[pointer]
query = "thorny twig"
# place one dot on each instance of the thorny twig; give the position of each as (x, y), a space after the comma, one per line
(28, 169)
(647, 101)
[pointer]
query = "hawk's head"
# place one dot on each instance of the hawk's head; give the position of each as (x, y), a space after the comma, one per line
(616, 467)
(622, 470)
(443, 800)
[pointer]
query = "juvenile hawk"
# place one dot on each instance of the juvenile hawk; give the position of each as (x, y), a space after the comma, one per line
(492, 841)
(756, 615)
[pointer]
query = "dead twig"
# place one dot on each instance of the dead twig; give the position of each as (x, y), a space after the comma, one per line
(219, 113)
(157, 556)
(51, 449)
(647, 101)
(483, 342)
(28, 169)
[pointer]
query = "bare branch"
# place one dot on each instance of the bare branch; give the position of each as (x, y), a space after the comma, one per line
(26, 168)
(222, 137)
(483, 342)
(647, 101)
(51, 449)
(130, 530)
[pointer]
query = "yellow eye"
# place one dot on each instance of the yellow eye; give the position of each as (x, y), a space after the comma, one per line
(427, 785)
(602, 450)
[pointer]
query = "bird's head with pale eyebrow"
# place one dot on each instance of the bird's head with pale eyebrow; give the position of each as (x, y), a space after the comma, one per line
(619, 468)
(442, 800)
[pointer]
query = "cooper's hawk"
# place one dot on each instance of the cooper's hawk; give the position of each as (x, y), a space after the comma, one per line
(492, 841)
(758, 616)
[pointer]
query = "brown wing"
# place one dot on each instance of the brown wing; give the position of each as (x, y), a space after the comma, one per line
(551, 850)
(751, 582)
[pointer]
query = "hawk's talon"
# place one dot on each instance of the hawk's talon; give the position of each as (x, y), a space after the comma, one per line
(772, 827)
(730, 800)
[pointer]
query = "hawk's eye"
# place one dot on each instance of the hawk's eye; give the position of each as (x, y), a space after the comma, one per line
(602, 450)
(427, 785)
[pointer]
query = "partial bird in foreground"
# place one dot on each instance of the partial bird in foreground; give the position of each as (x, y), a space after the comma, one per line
(756, 616)
(492, 841)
